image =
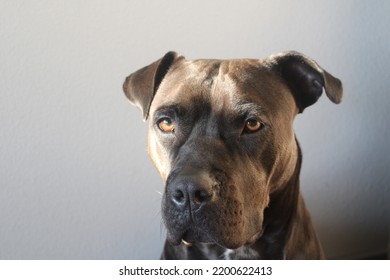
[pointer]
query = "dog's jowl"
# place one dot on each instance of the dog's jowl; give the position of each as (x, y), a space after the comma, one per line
(221, 136)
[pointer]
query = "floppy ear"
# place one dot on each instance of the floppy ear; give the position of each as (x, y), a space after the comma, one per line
(141, 86)
(306, 79)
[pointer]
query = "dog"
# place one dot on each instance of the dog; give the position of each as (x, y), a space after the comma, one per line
(221, 136)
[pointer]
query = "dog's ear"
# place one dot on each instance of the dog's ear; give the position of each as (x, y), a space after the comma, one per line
(306, 79)
(141, 86)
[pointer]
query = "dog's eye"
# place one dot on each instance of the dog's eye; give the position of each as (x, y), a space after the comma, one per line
(252, 125)
(166, 125)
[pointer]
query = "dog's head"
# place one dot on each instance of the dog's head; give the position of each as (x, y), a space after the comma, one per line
(221, 136)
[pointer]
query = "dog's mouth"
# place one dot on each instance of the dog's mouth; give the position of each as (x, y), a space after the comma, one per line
(189, 238)
(184, 240)
(185, 243)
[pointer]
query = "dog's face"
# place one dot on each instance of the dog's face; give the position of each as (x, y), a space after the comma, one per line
(220, 133)
(221, 136)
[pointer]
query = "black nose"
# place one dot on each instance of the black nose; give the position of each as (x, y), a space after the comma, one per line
(190, 191)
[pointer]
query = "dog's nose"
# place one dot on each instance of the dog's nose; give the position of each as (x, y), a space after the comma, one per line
(190, 191)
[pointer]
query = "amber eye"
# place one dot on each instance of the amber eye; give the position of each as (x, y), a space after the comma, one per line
(252, 125)
(166, 125)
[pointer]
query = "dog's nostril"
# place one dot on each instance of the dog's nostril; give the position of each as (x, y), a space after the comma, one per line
(178, 196)
(200, 196)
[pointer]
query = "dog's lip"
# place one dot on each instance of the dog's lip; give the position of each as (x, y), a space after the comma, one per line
(177, 238)
(254, 237)
(190, 237)
(186, 238)
(174, 239)
(185, 243)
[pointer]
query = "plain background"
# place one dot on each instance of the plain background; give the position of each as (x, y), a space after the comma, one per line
(75, 178)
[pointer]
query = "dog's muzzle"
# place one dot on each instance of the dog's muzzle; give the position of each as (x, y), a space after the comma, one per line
(188, 196)
(199, 206)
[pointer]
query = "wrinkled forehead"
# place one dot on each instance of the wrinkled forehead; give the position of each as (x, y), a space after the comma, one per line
(223, 85)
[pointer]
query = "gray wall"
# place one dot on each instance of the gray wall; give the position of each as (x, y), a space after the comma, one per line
(75, 178)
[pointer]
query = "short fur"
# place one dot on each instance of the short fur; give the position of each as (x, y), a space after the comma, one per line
(231, 193)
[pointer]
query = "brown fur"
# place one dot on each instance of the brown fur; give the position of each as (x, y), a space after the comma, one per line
(229, 193)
